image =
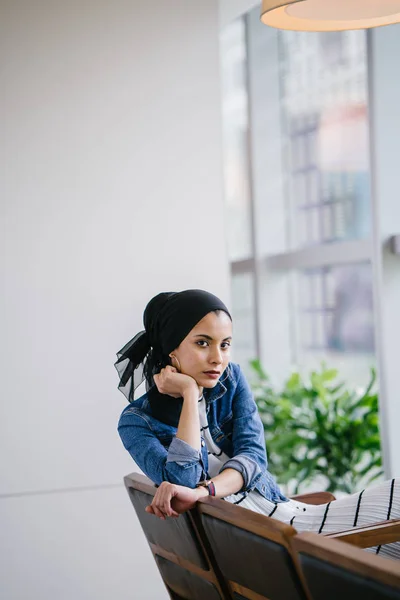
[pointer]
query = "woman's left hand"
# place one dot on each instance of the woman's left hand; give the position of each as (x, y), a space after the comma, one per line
(170, 381)
(171, 500)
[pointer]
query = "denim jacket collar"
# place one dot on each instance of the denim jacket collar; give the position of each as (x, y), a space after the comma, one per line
(213, 394)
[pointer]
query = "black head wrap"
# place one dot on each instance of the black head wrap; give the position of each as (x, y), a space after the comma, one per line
(167, 319)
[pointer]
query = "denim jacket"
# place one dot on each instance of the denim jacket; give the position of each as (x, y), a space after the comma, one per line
(235, 427)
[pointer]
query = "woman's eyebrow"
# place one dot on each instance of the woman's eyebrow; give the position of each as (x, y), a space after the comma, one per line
(208, 337)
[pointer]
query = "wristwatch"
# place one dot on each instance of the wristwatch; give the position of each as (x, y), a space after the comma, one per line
(209, 484)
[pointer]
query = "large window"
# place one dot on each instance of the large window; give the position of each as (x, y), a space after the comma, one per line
(298, 203)
(236, 133)
(238, 187)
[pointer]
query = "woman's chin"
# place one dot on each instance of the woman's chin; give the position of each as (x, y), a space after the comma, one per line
(206, 382)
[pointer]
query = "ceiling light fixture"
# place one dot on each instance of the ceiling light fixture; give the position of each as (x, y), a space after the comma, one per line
(329, 15)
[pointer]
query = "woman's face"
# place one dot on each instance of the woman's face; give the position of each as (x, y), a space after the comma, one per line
(205, 352)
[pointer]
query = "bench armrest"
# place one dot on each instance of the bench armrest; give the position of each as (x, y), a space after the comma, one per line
(384, 532)
(314, 498)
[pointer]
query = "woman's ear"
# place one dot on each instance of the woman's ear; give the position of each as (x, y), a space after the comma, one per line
(177, 365)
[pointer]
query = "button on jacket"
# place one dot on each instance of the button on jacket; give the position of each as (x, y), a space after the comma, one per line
(235, 427)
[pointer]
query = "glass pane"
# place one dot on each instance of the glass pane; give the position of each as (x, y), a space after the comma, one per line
(235, 140)
(243, 314)
(335, 319)
(325, 122)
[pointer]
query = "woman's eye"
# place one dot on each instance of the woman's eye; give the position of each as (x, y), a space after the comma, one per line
(204, 344)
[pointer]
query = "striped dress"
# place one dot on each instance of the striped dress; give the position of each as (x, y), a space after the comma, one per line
(376, 503)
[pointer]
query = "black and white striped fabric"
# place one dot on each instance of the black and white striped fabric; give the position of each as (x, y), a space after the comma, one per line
(216, 458)
(376, 503)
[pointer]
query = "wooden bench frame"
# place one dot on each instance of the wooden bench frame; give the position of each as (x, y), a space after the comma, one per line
(380, 533)
(211, 574)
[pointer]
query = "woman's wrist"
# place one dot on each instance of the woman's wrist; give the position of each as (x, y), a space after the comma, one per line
(202, 492)
(191, 391)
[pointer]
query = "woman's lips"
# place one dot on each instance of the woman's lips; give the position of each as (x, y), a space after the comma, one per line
(212, 375)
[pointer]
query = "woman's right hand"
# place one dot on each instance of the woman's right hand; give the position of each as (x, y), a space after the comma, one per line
(171, 500)
(169, 381)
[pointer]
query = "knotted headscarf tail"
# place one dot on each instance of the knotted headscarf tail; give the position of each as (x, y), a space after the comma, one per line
(167, 319)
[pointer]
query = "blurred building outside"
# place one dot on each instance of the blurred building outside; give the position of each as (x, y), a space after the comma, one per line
(322, 192)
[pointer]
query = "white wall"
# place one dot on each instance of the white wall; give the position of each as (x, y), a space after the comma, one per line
(112, 192)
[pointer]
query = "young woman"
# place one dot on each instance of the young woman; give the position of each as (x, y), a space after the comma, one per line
(196, 431)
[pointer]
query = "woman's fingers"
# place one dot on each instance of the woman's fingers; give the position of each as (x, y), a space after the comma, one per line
(164, 503)
(166, 508)
(155, 506)
(161, 504)
(149, 509)
(164, 384)
(158, 512)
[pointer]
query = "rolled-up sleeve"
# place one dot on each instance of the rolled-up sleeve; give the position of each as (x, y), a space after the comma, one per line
(182, 453)
(247, 467)
(180, 464)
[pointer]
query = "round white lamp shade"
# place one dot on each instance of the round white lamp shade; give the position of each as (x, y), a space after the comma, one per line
(329, 15)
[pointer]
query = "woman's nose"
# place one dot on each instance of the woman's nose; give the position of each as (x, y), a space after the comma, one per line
(216, 356)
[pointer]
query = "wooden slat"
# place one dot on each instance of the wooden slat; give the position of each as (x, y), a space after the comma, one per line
(182, 562)
(249, 520)
(314, 498)
(382, 533)
(244, 591)
(141, 483)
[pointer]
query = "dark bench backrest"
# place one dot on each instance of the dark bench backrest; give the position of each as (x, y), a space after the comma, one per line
(178, 549)
(334, 569)
(252, 551)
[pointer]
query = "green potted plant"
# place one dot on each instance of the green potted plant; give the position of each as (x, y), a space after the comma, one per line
(319, 429)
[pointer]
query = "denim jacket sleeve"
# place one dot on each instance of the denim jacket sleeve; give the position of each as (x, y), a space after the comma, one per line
(180, 464)
(249, 453)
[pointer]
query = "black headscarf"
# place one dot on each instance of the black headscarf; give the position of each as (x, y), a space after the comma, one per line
(167, 319)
